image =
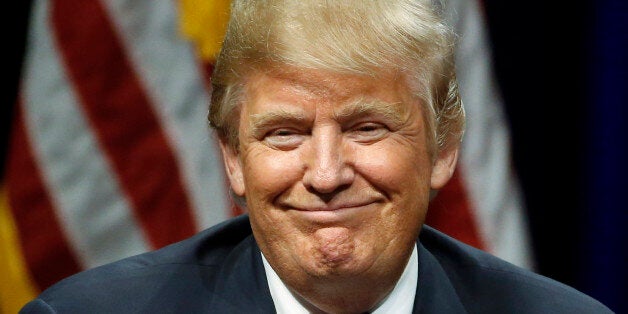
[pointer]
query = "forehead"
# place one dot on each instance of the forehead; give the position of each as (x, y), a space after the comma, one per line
(306, 86)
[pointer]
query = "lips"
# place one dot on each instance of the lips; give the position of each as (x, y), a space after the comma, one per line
(340, 201)
(331, 207)
(334, 212)
(347, 205)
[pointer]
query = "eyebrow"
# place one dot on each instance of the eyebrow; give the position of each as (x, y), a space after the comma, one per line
(261, 121)
(396, 113)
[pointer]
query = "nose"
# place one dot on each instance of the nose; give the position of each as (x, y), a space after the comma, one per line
(329, 168)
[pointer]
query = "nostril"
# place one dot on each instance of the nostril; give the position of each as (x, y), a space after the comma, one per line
(323, 183)
(325, 177)
(326, 182)
(327, 196)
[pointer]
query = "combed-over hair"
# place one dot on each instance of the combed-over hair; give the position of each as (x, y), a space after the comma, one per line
(361, 37)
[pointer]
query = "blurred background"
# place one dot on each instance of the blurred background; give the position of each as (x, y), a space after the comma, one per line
(563, 73)
(555, 81)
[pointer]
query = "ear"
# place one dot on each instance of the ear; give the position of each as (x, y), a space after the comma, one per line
(444, 167)
(233, 167)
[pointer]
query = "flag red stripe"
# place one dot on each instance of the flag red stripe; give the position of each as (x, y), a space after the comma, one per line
(126, 125)
(39, 229)
(450, 212)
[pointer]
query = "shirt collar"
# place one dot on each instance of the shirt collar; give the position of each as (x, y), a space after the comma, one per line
(400, 300)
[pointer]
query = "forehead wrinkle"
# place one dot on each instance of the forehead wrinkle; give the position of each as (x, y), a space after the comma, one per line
(316, 85)
(395, 112)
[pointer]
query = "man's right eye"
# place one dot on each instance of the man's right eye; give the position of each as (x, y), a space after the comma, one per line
(284, 138)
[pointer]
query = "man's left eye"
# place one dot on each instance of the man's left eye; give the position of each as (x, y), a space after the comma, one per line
(368, 132)
(284, 138)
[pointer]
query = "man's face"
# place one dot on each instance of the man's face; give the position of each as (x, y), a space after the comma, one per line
(336, 173)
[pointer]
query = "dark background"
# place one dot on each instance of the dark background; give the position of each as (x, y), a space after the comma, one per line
(563, 72)
(542, 59)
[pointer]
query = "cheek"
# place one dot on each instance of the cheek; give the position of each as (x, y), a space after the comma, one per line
(267, 173)
(394, 168)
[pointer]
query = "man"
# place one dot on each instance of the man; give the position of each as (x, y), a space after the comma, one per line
(338, 121)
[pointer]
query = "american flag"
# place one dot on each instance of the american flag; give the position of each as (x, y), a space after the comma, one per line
(110, 152)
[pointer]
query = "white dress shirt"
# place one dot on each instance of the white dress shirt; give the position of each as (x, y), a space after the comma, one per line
(399, 301)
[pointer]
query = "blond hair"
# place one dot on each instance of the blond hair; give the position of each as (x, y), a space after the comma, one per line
(361, 37)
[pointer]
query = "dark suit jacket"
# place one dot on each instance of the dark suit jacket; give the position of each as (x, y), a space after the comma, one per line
(220, 271)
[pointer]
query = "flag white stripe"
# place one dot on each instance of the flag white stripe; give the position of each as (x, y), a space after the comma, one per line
(94, 213)
(485, 155)
(168, 69)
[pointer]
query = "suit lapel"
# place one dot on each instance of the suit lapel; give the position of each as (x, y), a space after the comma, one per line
(241, 286)
(435, 293)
